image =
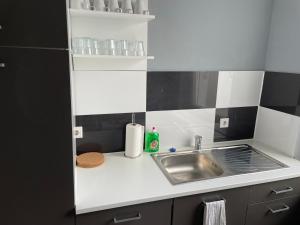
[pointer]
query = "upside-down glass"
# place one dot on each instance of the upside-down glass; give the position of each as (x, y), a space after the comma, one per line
(140, 49)
(110, 45)
(122, 48)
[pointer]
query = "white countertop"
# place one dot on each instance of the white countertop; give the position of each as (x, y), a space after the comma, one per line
(121, 181)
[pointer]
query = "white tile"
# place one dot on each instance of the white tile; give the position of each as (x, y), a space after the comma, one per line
(278, 130)
(239, 88)
(105, 92)
(177, 128)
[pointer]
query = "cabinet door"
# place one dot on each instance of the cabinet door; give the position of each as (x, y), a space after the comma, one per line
(36, 163)
(154, 213)
(280, 212)
(33, 23)
(189, 210)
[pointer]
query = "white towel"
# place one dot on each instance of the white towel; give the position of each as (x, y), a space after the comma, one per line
(214, 213)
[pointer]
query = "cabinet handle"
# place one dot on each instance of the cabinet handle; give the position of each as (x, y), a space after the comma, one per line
(278, 192)
(283, 209)
(1, 27)
(2, 65)
(138, 217)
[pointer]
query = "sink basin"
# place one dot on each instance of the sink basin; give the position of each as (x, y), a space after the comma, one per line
(188, 166)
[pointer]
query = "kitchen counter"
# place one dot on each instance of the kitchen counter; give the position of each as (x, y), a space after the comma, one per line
(121, 181)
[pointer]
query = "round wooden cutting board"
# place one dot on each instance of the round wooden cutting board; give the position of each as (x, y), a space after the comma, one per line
(90, 160)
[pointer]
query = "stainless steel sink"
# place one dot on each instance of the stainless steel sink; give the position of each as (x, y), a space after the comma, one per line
(188, 166)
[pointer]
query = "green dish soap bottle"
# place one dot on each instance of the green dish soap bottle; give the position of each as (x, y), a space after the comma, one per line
(152, 141)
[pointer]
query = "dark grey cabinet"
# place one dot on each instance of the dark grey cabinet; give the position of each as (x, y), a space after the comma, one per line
(33, 23)
(36, 163)
(276, 203)
(189, 210)
(277, 212)
(155, 213)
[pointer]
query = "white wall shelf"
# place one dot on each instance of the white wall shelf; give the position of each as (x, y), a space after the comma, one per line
(111, 15)
(110, 63)
(113, 57)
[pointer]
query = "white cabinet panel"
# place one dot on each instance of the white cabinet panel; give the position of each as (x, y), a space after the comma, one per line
(106, 92)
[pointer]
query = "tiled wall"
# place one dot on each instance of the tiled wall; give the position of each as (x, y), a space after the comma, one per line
(278, 123)
(179, 104)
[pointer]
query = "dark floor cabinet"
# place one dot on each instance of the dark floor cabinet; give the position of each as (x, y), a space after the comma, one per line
(276, 203)
(36, 163)
(33, 23)
(189, 210)
(36, 143)
(155, 213)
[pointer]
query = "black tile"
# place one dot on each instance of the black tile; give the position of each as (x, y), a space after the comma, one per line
(281, 92)
(104, 133)
(181, 90)
(241, 123)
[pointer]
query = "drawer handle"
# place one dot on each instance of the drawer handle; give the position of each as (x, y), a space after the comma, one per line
(283, 209)
(278, 192)
(1, 27)
(2, 65)
(138, 217)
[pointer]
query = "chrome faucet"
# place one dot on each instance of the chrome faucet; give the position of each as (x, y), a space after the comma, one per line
(198, 142)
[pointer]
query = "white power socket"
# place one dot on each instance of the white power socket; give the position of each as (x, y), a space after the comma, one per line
(78, 132)
(224, 122)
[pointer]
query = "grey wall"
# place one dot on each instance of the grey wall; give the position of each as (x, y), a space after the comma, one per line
(283, 53)
(209, 34)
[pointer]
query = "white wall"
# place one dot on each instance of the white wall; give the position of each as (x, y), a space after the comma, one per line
(283, 53)
(209, 34)
(277, 129)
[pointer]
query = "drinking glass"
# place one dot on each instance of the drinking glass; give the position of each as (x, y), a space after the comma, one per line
(111, 46)
(127, 6)
(140, 49)
(78, 46)
(96, 47)
(122, 48)
(99, 5)
(88, 46)
(86, 4)
(132, 48)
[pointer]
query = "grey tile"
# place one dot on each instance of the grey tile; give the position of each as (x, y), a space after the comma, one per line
(241, 124)
(181, 90)
(281, 92)
(104, 133)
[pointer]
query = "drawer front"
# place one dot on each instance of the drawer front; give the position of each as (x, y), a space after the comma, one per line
(189, 210)
(279, 212)
(275, 190)
(157, 213)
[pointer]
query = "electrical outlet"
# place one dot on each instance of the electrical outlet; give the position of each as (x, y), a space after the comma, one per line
(78, 132)
(224, 123)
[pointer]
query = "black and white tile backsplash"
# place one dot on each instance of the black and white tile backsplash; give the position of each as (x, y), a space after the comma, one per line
(241, 125)
(278, 120)
(179, 104)
(281, 92)
(105, 133)
(181, 90)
